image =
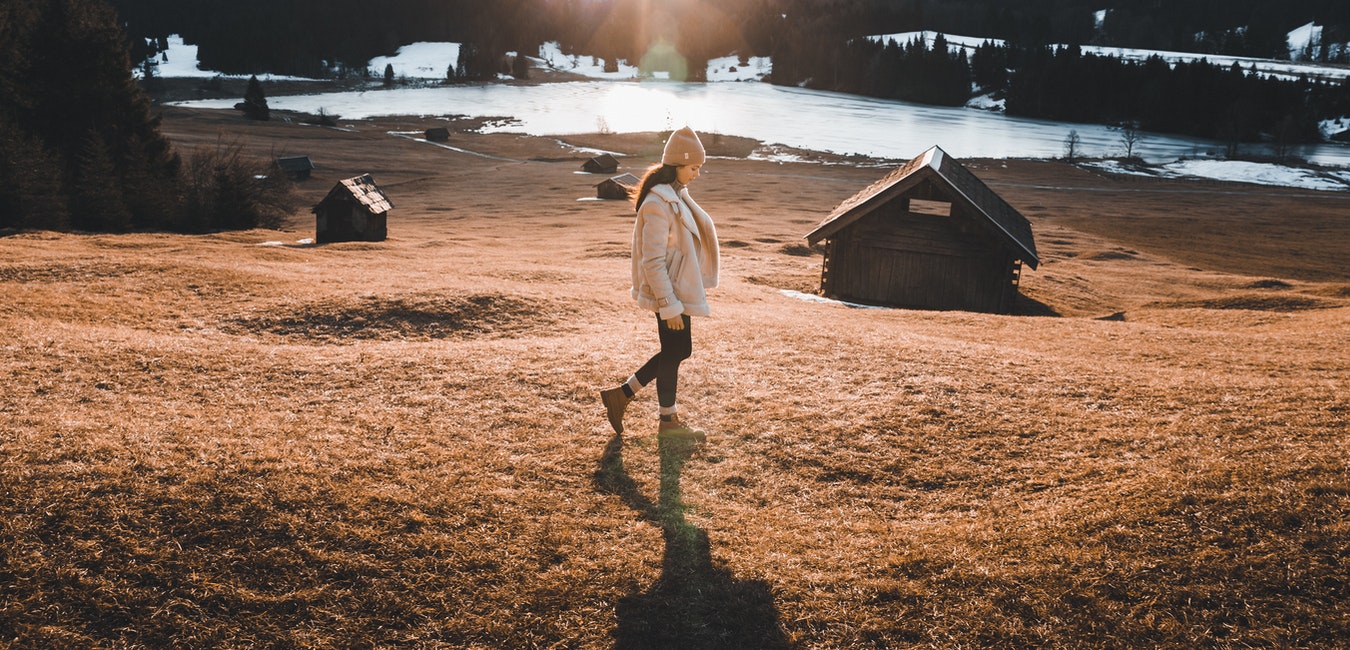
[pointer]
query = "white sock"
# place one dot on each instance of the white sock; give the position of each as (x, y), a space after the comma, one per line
(633, 384)
(667, 410)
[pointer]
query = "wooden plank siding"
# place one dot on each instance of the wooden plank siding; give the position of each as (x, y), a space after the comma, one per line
(928, 235)
(910, 259)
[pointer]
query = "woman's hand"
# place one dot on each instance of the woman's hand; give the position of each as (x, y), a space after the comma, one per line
(675, 324)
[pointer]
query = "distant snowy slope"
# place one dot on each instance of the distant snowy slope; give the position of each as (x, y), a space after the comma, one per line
(1277, 68)
(180, 61)
(551, 55)
(1306, 42)
(1301, 38)
(729, 68)
(418, 61)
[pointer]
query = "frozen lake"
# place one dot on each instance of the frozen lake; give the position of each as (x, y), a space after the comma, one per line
(795, 117)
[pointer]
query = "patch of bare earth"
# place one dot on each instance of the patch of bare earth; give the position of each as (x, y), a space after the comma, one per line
(212, 443)
(348, 320)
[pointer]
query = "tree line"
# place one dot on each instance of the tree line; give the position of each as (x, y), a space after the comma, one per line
(80, 148)
(1203, 99)
(319, 38)
(1199, 98)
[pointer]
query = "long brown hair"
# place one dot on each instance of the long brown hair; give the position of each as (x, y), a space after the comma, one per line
(656, 175)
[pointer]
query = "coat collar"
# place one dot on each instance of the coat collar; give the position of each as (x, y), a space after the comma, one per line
(669, 195)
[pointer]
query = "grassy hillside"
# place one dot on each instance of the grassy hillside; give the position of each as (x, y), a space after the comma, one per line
(210, 442)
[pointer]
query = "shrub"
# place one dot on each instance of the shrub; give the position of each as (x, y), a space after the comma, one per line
(225, 190)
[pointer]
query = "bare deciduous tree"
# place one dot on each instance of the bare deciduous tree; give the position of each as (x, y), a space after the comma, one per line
(1071, 143)
(1130, 137)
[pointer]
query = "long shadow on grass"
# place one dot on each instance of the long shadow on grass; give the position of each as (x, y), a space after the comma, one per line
(694, 604)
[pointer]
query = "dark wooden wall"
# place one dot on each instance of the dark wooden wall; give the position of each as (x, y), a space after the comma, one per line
(907, 259)
(337, 221)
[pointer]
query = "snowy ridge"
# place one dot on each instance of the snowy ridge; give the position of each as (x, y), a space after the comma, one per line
(1273, 67)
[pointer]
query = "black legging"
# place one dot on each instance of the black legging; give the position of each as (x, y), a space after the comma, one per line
(664, 366)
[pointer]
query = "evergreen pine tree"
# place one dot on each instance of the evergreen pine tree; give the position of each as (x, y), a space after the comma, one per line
(388, 75)
(35, 198)
(476, 62)
(68, 76)
(255, 103)
(97, 202)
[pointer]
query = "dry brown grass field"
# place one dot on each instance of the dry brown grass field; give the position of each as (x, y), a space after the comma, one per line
(208, 442)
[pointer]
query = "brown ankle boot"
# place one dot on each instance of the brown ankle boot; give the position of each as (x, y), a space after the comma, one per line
(616, 402)
(674, 428)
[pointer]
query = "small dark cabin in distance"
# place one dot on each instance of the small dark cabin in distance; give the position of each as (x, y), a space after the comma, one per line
(928, 235)
(437, 134)
(601, 164)
(356, 209)
(297, 167)
(617, 187)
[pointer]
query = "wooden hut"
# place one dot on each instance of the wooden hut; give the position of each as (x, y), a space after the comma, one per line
(437, 134)
(297, 167)
(601, 164)
(617, 187)
(354, 210)
(928, 235)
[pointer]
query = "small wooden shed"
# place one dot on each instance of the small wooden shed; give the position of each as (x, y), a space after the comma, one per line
(928, 235)
(617, 187)
(601, 164)
(437, 134)
(356, 209)
(297, 167)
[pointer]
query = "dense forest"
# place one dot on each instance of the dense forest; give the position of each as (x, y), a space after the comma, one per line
(327, 37)
(1226, 103)
(80, 148)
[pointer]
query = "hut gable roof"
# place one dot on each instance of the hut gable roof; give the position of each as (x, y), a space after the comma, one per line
(294, 164)
(363, 190)
(601, 163)
(626, 180)
(937, 167)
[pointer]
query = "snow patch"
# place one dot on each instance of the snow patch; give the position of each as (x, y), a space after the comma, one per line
(729, 68)
(308, 241)
(180, 61)
(1305, 43)
(1237, 171)
(987, 102)
(1332, 128)
(421, 60)
(1303, 39)
(810, 297)
(591, 67)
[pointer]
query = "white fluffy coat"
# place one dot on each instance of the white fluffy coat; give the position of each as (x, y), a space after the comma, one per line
(675, 254)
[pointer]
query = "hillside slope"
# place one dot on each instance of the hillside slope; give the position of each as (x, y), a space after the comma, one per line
(212, 442)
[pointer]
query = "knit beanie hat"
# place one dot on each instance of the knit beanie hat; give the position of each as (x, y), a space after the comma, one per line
(683, 148)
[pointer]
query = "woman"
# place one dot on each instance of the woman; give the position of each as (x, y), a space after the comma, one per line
(675, 258)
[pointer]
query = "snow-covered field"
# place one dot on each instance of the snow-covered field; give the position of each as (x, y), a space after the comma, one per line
(1237, 170)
